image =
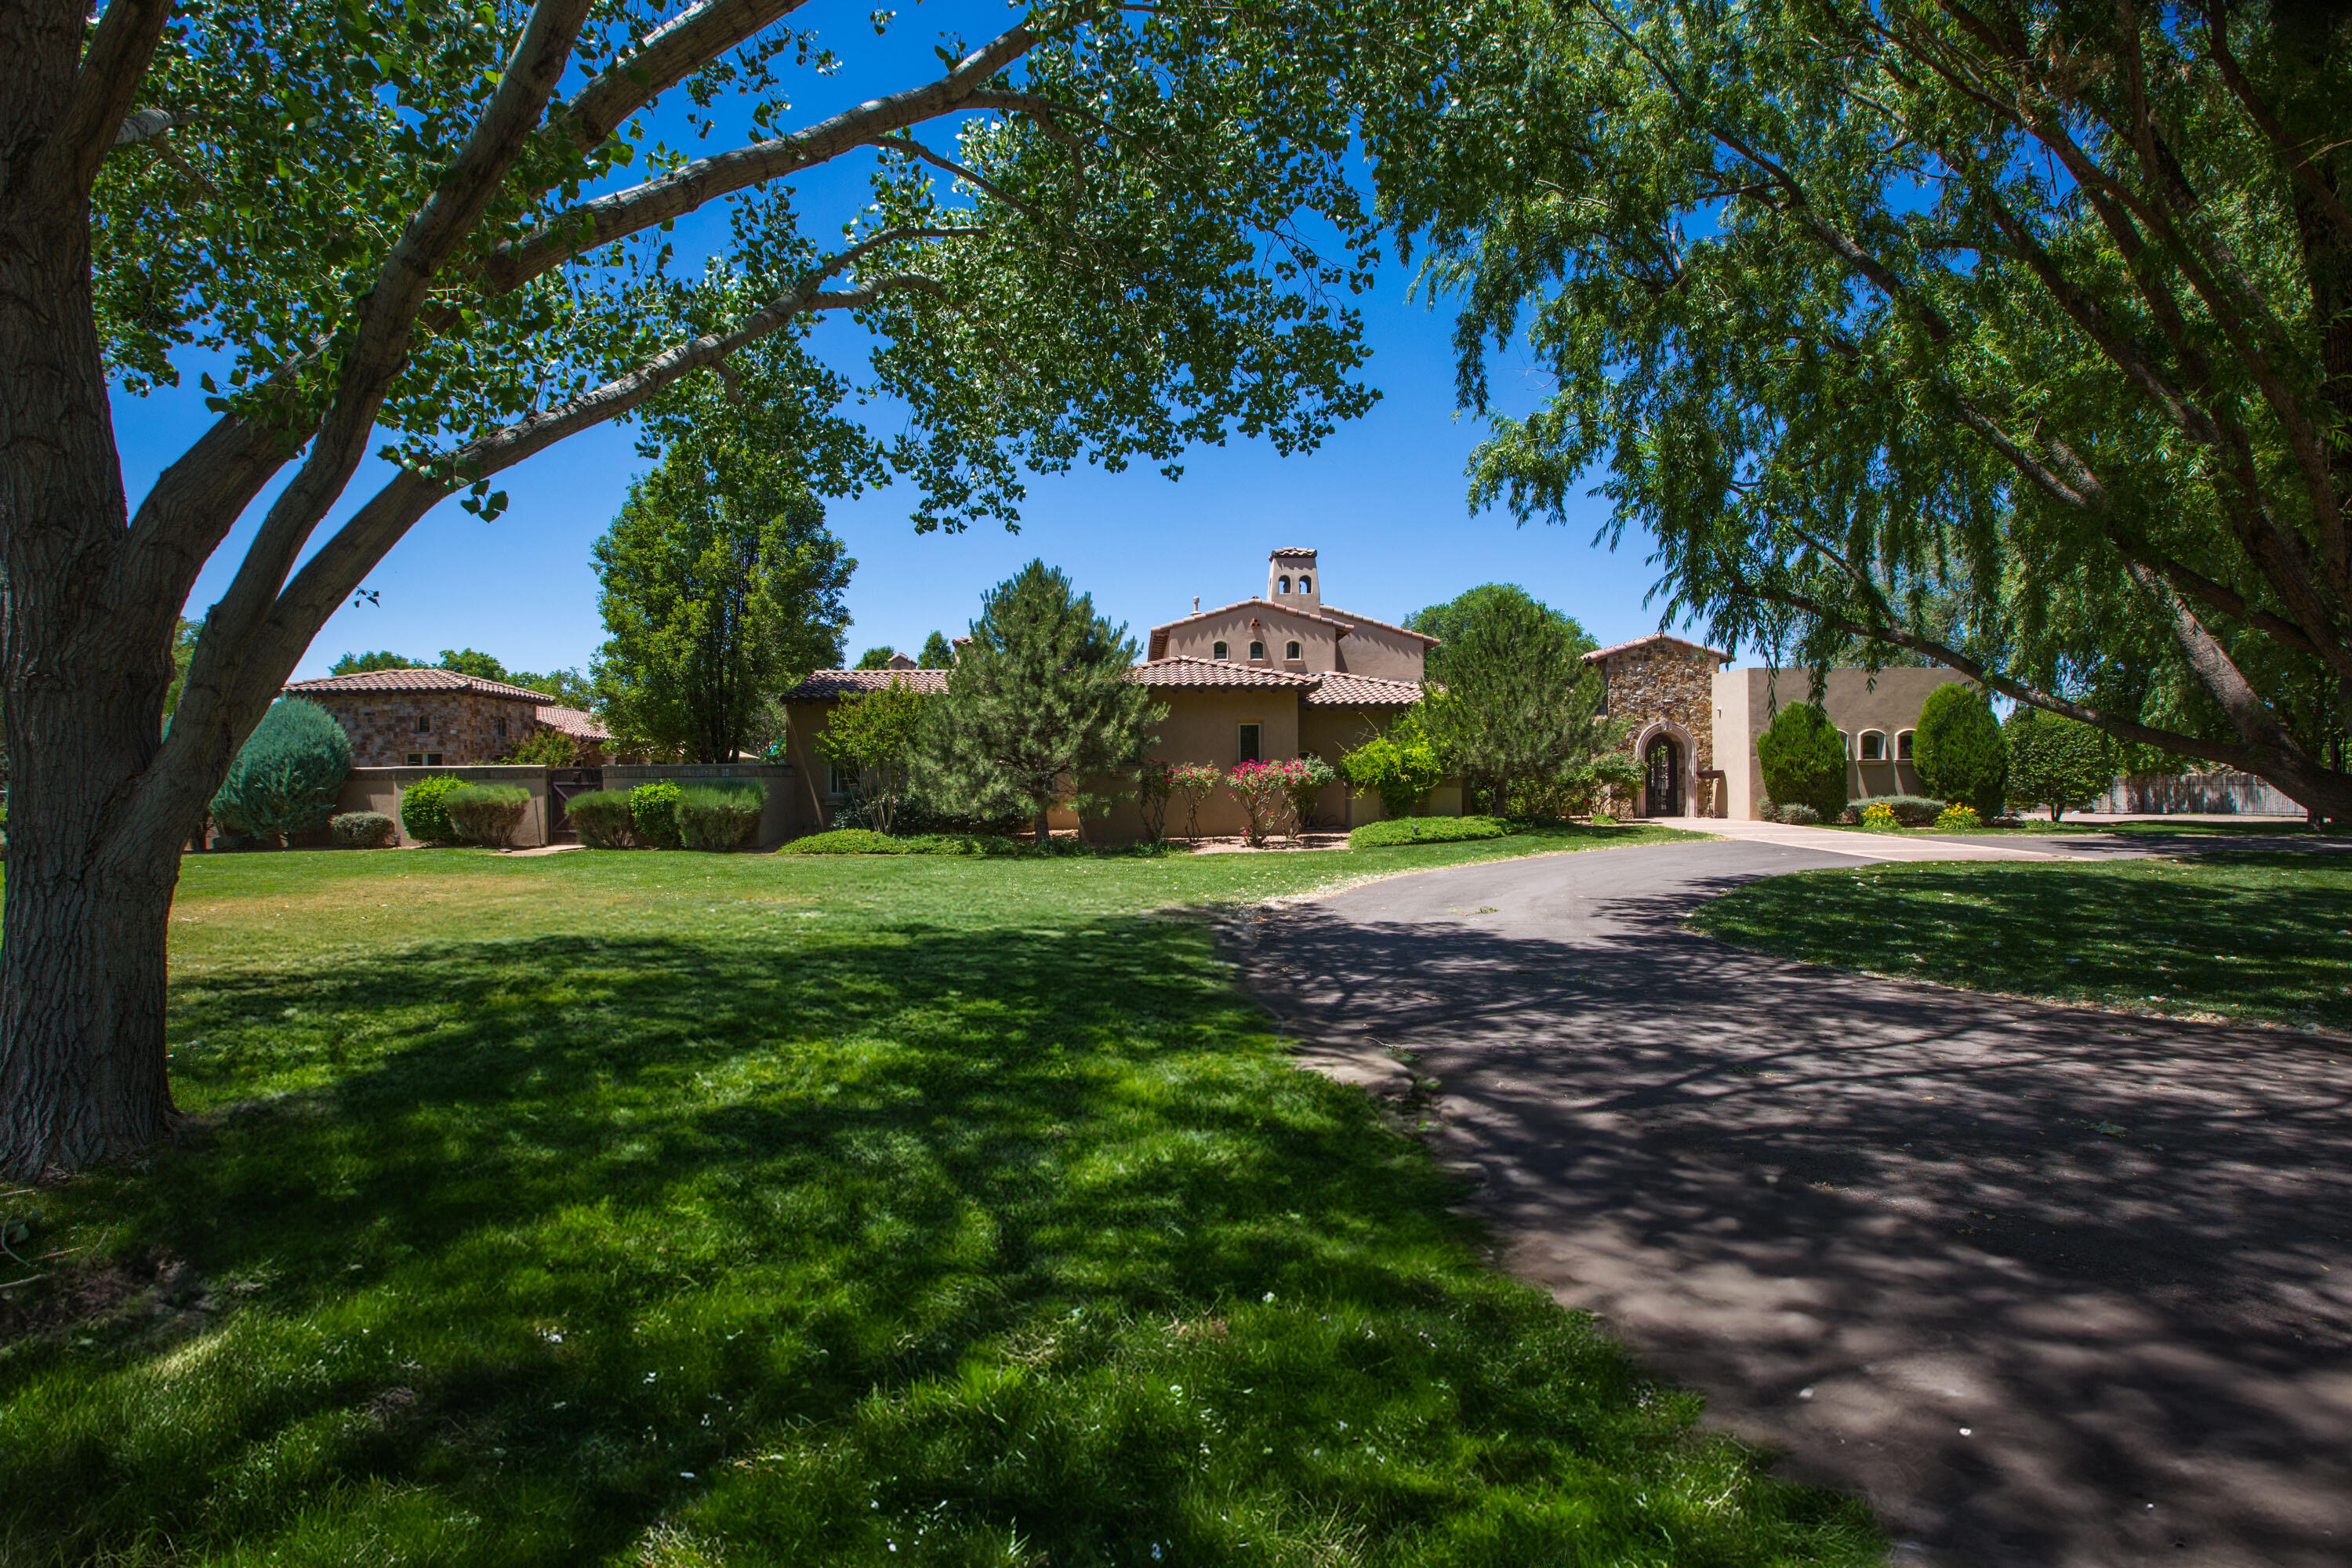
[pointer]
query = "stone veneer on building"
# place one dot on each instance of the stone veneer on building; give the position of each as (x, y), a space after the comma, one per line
(1663, 685)
(466, 721)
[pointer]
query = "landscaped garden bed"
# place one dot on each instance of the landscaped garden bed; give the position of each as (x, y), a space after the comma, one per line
(686, 1209)
(2255, 936)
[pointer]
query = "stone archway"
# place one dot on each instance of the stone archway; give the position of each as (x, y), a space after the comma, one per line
(1679, 796)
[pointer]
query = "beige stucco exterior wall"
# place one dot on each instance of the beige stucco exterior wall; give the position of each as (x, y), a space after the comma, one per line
(1668, 689)
(379, 789)
(1317, 640)
(1332, 733)
(1375, 650)
(1854, 700)
(383, 725)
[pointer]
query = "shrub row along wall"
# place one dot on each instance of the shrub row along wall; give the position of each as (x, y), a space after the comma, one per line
(378, 790)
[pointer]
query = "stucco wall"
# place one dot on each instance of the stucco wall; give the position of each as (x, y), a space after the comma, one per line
(379, 789)
(1375, 650)
(1854, 700)
(1317, 640)
(464, 725)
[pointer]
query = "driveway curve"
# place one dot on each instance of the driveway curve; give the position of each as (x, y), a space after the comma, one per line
(2048, 1285)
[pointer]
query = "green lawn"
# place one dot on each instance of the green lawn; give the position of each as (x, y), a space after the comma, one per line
(674, 1209)
(2232, 935)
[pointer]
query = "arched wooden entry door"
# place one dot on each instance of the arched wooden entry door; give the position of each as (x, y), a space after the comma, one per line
(1663, 762)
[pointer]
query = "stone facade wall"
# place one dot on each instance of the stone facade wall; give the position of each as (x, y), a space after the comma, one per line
(1656, 681)
(464, 725)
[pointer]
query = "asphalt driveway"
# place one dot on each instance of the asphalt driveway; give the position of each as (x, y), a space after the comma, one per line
(2049, 1285)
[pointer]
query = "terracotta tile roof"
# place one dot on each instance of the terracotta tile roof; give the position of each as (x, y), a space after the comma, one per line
(1158, 647)
(1339, 688)
(1187, 670)
(1293, 550)
(1346, 615)
(573, 721)
(1602, 653)
(829, 685)
(414, 680)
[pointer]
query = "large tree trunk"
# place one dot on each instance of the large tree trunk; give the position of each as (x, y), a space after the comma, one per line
(82, 1074)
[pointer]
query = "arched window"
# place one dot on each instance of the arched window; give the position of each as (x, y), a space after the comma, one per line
(1847, 741)
(1290, 650)
(1257, 650)
(1286, 585)
(1307, 585)
(1874, 745)
(1903, 739)
(1224, 650)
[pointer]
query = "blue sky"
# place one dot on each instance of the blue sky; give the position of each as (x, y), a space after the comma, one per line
(1383, 500)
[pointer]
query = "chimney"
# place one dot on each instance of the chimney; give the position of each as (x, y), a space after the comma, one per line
(1292, 580)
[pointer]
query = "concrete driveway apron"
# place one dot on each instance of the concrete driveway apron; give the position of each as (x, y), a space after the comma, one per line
(2047, 1285)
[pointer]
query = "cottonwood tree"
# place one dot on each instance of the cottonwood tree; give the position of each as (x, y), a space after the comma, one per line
(2043, 308)
(438, 232)
(720, 588)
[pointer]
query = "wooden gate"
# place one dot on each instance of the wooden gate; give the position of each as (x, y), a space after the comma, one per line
(562, 784)
(1664, 797)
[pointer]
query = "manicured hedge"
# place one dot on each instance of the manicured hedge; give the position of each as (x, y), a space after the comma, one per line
(719, 816)
(1425, 830)
(654, 807)
(1910, 810)
(361, 829)
(424, 811)
(604, 818)
(487, 814)
(865, 841)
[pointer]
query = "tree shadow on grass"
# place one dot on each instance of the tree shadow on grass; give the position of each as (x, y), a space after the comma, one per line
(790, 1247)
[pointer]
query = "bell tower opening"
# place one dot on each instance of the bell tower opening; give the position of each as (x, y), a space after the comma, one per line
(1292, 579)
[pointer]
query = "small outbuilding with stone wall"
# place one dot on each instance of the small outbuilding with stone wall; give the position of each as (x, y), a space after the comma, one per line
(1662, 689)
(441, 719)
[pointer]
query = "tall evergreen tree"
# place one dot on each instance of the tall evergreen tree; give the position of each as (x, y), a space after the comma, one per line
(722, 588)
(938, 652)
(1039, 703)
(1511, 701)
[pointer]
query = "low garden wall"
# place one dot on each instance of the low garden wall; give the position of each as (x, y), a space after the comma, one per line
(2224, 793)
(379, 789)
(777, 821)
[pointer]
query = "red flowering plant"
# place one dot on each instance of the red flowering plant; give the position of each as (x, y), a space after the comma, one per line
(1264, 790)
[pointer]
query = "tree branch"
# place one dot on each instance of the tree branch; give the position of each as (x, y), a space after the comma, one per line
(104, 89)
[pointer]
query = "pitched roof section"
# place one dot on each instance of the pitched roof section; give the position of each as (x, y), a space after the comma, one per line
(1156, 649)
(1187, 670)
(1601, 653)
(390, 680)
(826, 685)
(573, 721)
(1339, 689)
(1291, 552)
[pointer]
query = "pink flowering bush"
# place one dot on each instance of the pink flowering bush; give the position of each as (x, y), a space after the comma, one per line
(1195, 781)
(1264, 790)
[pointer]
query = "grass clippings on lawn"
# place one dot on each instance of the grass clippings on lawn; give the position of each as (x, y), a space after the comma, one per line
(682, 1209)
(2257, 937)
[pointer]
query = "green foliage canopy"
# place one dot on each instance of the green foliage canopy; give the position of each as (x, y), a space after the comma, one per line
(1040, 702)
(1958, 749)
(875, 658)
(722, 587)
(287, 773)
(875, 734)
(1510, 701)
(2012, 342)
(1803, 760)
(938, 652)
(2056, 763)
(1400, 765)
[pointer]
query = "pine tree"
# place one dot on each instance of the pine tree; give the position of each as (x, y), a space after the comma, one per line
(288, 774)
(1803, 760)
(1039, 701)
(938, 652)
(1518, 706)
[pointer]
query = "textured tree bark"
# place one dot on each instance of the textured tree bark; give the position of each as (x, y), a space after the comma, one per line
(82, 1069)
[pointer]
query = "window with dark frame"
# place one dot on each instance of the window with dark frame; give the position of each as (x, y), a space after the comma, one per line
(1252, 747)
(1903, 746)
(425, 723)
(1290, 650)
(1874, 745)
(1257, 650)
(1224, 650)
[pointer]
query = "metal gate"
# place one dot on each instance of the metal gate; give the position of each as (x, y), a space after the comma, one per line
(562, 784)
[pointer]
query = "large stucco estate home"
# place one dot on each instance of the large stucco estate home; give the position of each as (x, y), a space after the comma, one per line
(1288, 673)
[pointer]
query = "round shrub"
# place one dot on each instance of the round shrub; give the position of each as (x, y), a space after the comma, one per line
(423, 817)
(1958, 749)
(1803, 759)
(1401, 830)
(604, 818)
(286, 776)
(847, 841)
(361, 831)
(654, 808)
(2058, 762)
(721, 816)
(487, 814)
(1797, 814)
